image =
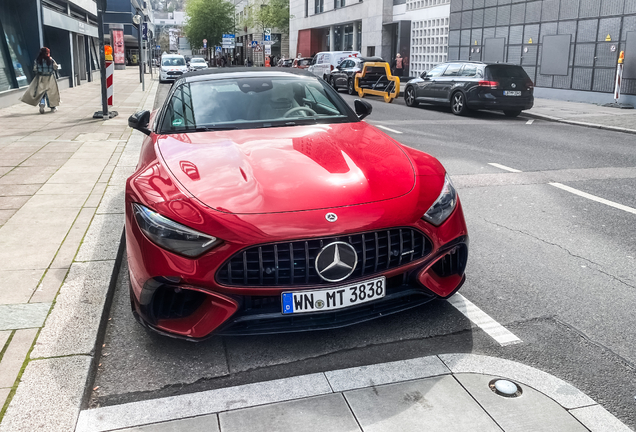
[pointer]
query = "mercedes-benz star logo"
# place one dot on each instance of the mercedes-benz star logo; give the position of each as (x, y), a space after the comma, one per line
(513, 85)
(331, 217)
(336, 261)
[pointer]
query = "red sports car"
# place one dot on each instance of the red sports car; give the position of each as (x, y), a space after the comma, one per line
(262, 203)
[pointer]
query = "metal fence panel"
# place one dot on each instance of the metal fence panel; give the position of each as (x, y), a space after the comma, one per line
(503, 15)
(589, 8)
(467, 18)
(587, 31)
(569, 9)
(501, 32)
(514, 54)
(490, 17)
(516, 35)
(582, 79)
(604, 80)
(612, 7)
(533, 12)
(550, 10)
(478, 18)
(530, 56)
(609, 26)
(518, 13)
(531, 32)
(584, 55)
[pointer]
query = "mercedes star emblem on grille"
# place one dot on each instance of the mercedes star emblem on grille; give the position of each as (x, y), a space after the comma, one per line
(331, 217)
(336, 261)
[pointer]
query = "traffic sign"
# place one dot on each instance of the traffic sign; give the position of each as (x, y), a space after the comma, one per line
(228, 41)
(258, 48)
(254, 44)
(218, 49)
(144, 31)
(267, 34)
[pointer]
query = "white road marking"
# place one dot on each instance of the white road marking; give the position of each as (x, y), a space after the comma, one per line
(503, 167)
(530, 122)
(389, 129)
(481, 319)
(595, 198)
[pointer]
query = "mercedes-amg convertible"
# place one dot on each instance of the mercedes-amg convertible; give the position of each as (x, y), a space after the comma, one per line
(262, 203)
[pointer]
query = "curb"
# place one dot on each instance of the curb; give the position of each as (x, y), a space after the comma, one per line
(578, 123)
(590, 414)
(54, 386)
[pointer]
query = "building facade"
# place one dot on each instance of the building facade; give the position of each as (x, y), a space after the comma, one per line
(246, 33)
(415, 29)
(569, 48)
(67, 27)
(119, 15)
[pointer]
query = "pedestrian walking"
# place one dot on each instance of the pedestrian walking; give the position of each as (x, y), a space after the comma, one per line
(43, 89)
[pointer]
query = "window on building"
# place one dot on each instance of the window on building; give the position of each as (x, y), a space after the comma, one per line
(320, 6)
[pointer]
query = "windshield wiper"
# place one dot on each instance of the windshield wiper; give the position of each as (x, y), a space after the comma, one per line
(215, 128)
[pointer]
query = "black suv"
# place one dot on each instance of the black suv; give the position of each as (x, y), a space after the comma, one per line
(473, 85)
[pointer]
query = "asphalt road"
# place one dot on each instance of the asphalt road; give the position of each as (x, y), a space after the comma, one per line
(555, 268)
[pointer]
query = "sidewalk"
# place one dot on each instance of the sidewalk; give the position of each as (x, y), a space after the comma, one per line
(584, 114)
(61, 221)
(55, 170)
(449, 392)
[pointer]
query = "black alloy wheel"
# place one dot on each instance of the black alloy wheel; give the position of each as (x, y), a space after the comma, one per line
(512, 113)
(458, 104)
(409, 97)
(332, 83)
(350, 87)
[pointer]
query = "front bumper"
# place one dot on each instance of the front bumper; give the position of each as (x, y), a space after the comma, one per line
(182, 298)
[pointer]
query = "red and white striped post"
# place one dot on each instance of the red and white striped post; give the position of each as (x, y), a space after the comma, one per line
(619, 76)
(110, 69)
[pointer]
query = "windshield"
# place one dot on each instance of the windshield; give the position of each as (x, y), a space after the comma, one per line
(175, 61)
(247, 103)
(197, 60)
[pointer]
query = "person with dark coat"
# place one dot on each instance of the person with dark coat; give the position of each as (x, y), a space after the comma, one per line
(43, 89)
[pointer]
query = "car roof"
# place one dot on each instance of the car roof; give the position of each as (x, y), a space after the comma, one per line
(243, 72)
(171, 55)
(480, 63)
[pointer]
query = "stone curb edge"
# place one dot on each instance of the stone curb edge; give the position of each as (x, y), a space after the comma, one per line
(154, 411)
(578, 123)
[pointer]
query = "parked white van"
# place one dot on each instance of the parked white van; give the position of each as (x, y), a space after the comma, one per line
(326, 61)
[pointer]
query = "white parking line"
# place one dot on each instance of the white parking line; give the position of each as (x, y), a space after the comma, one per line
(530, 122)
(389, 129)
(595, 198)
(503, 167)
(481, 319)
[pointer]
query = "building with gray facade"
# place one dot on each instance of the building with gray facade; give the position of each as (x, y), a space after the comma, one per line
(570, 48)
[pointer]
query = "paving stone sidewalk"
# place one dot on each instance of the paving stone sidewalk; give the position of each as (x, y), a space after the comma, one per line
(584, 114)
(55, 170)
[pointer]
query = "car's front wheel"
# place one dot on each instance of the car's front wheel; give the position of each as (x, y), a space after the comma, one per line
(458, 104)
(409, 97)
(332, 82)
(512, 113)
(350, 87)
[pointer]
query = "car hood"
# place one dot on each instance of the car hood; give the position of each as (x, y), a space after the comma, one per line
(289, 168)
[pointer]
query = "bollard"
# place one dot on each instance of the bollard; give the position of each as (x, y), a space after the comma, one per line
(619, 76)
(110, 69)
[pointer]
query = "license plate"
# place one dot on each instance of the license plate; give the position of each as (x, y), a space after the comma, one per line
(333, 298)
(512, 93)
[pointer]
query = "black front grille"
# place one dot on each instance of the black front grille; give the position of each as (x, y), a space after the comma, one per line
(171, 302)
(453, 263)
(292, 263)
(175, 73)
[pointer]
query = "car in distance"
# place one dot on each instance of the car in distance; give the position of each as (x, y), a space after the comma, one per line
(466, 86)
(326, 61)
(302, 63)
(172, 67)
(263, 204)
(343, 76)
(197, 63)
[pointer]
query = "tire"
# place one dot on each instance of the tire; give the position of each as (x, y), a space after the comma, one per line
(332, 83)
(458, 104)
(351, 87)
(409, 97)
(512, 113)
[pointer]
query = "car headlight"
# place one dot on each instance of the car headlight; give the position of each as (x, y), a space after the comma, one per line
(171, 235)
(443, 205)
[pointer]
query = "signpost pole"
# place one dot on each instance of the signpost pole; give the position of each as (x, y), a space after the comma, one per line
(101, 8)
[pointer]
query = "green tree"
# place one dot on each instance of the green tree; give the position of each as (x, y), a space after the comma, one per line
(208, 19)
(269, 14)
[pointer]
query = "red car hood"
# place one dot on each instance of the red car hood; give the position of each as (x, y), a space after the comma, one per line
(289, 168)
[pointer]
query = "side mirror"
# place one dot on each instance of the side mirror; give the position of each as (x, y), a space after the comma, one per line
(139, 121)
(423, 75)
(363, 108)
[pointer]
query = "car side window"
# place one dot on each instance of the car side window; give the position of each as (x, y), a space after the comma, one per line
(436, 71)
(469, 70)
(453, 69)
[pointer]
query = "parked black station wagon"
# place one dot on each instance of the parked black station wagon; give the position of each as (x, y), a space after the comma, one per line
(468, 85)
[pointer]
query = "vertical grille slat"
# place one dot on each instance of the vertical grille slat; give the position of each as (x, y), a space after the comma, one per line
(281, 264)
(306, 262)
